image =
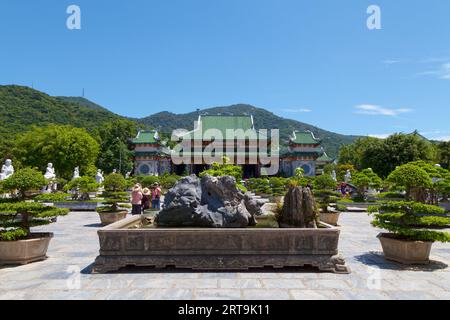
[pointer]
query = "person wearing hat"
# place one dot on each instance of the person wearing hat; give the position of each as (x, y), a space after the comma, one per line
(156, 196)
(136, 198)
(146, 195)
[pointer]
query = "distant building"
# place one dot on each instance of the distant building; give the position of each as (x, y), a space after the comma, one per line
(150, 156)
(303, 151)
(153, 158)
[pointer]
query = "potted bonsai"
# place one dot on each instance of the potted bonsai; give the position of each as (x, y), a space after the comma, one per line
(18, 245)
(114, 195)
(413, 227)
(81, 199)
(325, 194)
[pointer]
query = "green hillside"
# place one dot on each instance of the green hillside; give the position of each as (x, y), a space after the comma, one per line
(22, 107)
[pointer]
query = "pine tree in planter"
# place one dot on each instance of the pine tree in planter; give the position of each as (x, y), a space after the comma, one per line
(18, 245)
(114, 195)
(412, 228)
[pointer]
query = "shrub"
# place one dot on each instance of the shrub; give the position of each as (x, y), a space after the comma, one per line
(411, 178)
(29, 213)
(52, 197)
(225, 169)
(325, 197)
(324, 182)
(411, 220)
(82, 186)
(114, 193)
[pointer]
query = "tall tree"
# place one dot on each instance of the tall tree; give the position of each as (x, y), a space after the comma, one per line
(64, 146)
(115, 145)
(444, 154)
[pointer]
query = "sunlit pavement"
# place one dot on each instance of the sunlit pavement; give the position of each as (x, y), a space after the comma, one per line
(66, 273)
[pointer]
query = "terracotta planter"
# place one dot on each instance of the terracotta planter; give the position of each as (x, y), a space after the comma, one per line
(111, 217)
(25, 251)
(404, 251)
(330, 218)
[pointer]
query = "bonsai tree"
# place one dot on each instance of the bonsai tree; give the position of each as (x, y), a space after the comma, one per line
(411, 221)
(114, 193)
(224, 169)
(364, 180)
(17, 217)
(413, 179)
(324, 182)
(324, 191)
(82, 186)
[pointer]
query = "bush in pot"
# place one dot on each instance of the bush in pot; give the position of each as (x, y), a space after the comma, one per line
(114, 195)
(413, 227)
(18, 245)
(81, 187)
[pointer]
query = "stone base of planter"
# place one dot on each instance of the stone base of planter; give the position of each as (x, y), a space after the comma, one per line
(25, 251)
(330, 218)
(110, 217)
(130, 243)
(405, 252)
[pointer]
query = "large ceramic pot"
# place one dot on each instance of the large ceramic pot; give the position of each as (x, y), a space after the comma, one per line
(32, 249)
(405, 251)
(107, 217)
(330, 218)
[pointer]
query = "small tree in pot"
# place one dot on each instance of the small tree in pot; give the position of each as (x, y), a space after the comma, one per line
(325, 194)
(413, 179)
(114, 194)
(18, 245)
(412, 230)
(82, 187)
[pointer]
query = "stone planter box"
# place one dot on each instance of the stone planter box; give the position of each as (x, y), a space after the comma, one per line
(111, 217)
(25, 251)
(405, 252)
(78, 205)
(445, 205)
(330, 218)
(126, 243)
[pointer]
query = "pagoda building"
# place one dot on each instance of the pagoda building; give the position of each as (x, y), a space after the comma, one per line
(151, 157)
(303, 151)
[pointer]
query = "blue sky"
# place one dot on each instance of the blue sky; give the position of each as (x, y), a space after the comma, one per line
(314, 61)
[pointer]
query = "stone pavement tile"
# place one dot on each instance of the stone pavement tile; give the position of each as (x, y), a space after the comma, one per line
(367, 294)
(323, 284)
(301, 275)
(259, 275)
(123, 294)
(12, 295)
(265, 294)
(218, 275)
(409, 285)
(217, 294)
(19, 285)
(441, 294)
(104, 284)
(410, 295)
(445, 285)
(283, 283)
(240, 283)
(156, 275)
(197, 283)
(315, 295)
(152, 284)
(62, 295)
(169, 294)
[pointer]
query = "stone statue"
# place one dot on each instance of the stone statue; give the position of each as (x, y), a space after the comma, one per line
(127, 175)
(348, 176)
(7, 170)
(76, 173)
(99, 177)
(333, 175)
(50, 172)
(114, 171)
(299, 209)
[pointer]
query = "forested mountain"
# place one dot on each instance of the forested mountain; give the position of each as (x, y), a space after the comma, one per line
(22, 107)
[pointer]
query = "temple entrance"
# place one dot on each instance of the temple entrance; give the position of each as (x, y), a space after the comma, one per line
(198, 168)
(179, 169)
(250, 171)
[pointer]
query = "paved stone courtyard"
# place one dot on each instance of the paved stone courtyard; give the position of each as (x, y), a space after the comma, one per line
(66, 274)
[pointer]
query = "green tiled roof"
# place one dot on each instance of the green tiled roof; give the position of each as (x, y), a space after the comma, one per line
(151, 154)
(309, 152)
(145, 137)
(325, 158)
(223, 123)
(304, 138)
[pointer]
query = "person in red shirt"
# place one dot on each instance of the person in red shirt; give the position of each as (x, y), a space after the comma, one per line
(156, 196)
(136, 200)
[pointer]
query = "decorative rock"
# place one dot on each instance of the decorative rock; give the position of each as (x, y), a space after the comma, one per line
(299, 209)
(207, 202)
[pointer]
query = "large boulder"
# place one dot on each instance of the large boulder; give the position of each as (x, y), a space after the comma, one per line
(213, 202)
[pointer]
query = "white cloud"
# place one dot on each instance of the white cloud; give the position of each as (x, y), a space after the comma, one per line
(443, 138)
(442, 72)
(375, 110)
(391, 61)
(301, 110)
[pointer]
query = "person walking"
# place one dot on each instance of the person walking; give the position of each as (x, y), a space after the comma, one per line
(146, 195)
(136, 200)
(156, 196)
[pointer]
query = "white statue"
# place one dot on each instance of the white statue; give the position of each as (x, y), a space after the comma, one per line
(99, 177)
(50, 172)
(333, 175)
(7, 170)
(114, 170)
(348, 176)
(127, 175)
(76, 173)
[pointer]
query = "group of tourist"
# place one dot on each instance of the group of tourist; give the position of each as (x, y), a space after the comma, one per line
(144, 198)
